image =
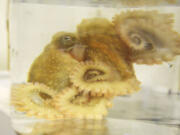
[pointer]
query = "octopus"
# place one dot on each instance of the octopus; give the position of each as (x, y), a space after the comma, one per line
(99, 34)
(52, 67)
(104, 45)
(74, 104)
(34, 100)
(99, 79)
(152, 42)
(88, 68)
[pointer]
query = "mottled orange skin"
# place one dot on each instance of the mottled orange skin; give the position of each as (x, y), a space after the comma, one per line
(149, 35)
(118, 58)
(96, 41)
(52, 67)
(99, 34)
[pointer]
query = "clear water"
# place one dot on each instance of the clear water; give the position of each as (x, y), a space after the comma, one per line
(154, 110)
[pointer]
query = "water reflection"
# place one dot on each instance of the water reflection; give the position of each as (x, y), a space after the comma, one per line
(96, 127)
(148, 105)
(69, 127)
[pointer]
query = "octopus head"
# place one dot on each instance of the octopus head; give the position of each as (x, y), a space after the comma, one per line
(69, 42)
(65, 41)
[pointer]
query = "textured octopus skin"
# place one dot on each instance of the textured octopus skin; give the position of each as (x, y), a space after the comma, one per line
(52, 66)
(154, 41)
(105, 45)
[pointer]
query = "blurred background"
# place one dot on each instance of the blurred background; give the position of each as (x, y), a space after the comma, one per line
(5, 126)
(3, 36)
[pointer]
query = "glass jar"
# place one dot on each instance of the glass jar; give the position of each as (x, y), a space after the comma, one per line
(95, 61)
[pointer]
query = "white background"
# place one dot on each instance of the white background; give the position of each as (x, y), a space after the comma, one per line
(3, 35)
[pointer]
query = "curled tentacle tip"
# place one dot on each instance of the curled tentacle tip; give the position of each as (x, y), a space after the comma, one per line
(35, 100)
(150, 41)
(79, 105)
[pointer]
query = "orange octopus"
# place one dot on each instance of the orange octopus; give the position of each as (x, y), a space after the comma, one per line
(88, 68)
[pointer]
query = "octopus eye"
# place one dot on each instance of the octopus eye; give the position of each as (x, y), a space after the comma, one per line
(67, 41)
(67, 38)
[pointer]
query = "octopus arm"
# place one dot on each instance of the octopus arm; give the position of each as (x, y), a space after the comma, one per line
(149, 35)
(72, 104)
(34, 100)
(99, 79)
